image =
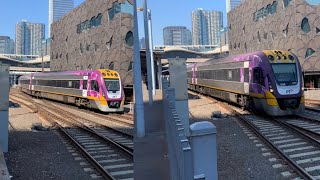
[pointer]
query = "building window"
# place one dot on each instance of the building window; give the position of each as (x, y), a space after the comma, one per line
(115, 9)
(305, 26)
(67, 57)
(93, 22)
(313, 2)
(244, 29)
(265, 36)
(285, 31)
(286, 3)
(98, 19)
(81, 48)
(317, 30)
(109, 43)
(111, 66)
(274, 7)
(129, 39)
(309, 52)
(258, 37)
(88, 47)
(130, 66)
(245, 46)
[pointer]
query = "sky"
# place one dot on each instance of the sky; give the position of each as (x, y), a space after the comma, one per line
(164, 13)
(175, 12)
(13, 11)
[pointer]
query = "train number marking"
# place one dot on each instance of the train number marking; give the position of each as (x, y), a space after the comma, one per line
(289, 91)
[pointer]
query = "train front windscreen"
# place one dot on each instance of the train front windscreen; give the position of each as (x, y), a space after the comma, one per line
(113, 85)
(285, 73)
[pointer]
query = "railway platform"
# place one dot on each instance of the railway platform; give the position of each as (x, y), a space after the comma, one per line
(4, 173)
(150, 160)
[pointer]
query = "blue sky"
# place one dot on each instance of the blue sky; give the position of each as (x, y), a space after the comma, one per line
(13, 11)
(164, 13)
(176, 12)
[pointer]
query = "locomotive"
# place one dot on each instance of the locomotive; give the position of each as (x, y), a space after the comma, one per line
(269, 81)
(98, 89)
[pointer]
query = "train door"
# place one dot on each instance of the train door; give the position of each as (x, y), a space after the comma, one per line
(94, 89)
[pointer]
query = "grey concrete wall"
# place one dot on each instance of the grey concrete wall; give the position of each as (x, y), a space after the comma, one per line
(312, 94)
(101, 45)
(281, 30)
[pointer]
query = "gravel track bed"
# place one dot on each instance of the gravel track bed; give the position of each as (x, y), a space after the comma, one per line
(238, 155)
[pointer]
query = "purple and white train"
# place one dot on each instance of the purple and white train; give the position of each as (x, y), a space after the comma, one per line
(269, 81)
(98, 89)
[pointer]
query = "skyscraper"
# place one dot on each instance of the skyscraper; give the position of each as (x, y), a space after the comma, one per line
(206, 27)
(6, 45)
(232, 4)
(57, 9)
(176, 35)
(29, 37)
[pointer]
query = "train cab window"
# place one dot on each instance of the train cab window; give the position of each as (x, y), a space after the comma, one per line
(258, 76)
(94, 86)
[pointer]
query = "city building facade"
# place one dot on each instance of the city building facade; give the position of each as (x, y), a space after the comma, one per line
(97, 34)
(176, 35)
(46, 47)
(231, 4)
(279, 24)
(6, 45)
(29, 37)
(206, 27)
(59, 8)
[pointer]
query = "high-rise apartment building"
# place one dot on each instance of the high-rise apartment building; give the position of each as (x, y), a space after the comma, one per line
(232, 4)
(206, 27)
(29, 37)
(6, 45)
(176, 35)
(57, 9)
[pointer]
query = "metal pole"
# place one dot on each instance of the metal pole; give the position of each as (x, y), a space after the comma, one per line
(220, 46)
(42, 60)
(148, 60)
(151, 53)
(139, 109)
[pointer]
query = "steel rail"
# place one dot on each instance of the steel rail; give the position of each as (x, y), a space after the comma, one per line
(95, 163)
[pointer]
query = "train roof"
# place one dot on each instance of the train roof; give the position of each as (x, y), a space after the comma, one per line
(243, 57)
(106, 73)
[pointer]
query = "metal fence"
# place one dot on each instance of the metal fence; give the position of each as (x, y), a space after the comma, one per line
(179, 149)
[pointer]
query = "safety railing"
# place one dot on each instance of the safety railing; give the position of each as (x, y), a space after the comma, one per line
(179, 149)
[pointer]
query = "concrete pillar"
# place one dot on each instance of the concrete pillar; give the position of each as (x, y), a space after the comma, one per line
(178, 80)
(159, 74)
(204, 150)
(14, 80)
(4, 106)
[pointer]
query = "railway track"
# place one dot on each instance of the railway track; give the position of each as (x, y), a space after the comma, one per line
(123, 119)
(110, 155)
(295, 140)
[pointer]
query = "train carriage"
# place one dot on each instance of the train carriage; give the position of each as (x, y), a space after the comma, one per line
(98, 89)
(269, 81)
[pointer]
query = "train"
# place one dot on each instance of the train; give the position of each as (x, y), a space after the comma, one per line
(97, 89)
(268, 81)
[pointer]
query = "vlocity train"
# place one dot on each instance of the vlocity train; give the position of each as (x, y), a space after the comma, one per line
(98, 89)
(269, 81)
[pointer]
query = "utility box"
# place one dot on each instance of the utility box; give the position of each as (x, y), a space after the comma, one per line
(4, 106)
(178, 81)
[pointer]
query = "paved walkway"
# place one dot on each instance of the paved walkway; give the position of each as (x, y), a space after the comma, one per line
(150, 152)
(4, 173)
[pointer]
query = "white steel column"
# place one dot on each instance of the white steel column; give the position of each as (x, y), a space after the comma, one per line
(139, 109)
(151, 53)
(148, 60)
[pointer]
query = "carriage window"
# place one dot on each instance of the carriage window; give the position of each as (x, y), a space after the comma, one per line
(258, 76)
(94, 86)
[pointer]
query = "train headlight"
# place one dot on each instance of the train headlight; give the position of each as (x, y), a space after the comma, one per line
(291, 58)
(271, 90)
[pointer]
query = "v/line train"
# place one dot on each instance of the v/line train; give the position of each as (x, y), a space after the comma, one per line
(98, 89)
(269, 81)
